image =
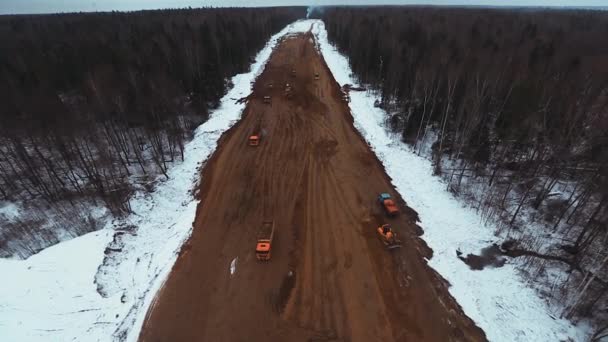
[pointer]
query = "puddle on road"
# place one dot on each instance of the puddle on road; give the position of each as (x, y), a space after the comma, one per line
(490, 256)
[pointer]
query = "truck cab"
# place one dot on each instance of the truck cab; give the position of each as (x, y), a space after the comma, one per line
(254, 140)
(262, 250)
(386, 201)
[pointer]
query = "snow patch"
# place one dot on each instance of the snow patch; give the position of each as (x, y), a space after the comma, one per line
(233, 266)
(10, 211)
(497, 299)
(52, 296)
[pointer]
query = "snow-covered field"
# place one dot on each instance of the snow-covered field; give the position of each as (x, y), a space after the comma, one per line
(497, 299)
(56, 295)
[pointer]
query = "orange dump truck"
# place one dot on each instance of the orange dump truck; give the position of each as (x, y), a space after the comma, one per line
(388, 204)
(264, 243)
(254, 140)
(257, 134)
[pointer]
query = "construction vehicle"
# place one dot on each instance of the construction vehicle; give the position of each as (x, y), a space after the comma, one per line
(388, 204)
(388, 237)
(264, 243)
(254, 140)
(267, 99)
(257, 134)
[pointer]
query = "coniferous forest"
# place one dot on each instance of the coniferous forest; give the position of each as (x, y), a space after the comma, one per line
(512, 108)
(95, 106)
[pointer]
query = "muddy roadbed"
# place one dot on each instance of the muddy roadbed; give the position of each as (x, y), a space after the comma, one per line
(330, 278)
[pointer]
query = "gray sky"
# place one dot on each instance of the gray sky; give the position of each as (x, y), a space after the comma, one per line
(54, 6)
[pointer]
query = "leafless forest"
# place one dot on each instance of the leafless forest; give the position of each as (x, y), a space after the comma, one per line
(97, 106)
(511, 105)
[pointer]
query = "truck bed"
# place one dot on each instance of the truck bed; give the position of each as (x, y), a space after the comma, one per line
(266, 230)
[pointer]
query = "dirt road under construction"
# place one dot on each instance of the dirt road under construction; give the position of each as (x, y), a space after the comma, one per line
(317, 179)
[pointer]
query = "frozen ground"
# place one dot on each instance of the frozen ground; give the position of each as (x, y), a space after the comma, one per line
(98, 287)
(49, 297)
(497, 299)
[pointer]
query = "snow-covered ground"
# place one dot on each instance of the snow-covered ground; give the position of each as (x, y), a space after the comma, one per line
(9, 211)
(52, 295)
(98, 287)
(56, 295)
(497, 299)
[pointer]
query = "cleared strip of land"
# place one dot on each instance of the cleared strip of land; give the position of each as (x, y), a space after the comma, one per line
(318, 180)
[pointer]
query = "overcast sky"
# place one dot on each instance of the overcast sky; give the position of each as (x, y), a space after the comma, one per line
(54, 6)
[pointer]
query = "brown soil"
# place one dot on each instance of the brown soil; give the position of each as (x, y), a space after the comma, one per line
(318, 180)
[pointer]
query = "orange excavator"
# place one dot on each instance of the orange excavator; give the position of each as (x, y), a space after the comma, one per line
(388, 237)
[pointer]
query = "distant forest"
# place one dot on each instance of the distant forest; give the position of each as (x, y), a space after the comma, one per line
(95, 105)
(512, 107)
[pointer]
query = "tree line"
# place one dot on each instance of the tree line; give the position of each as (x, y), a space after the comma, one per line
(512, 107)
(89, 99)
(96, 105)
